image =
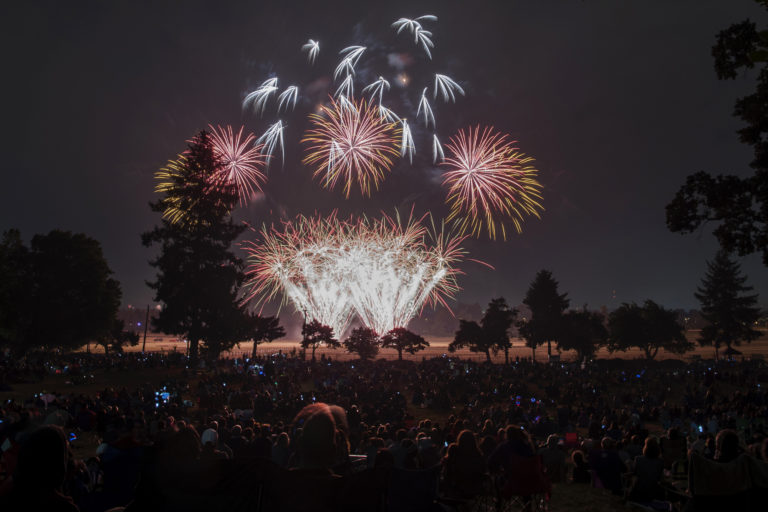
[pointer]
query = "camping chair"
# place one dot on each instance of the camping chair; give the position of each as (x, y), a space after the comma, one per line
(485, 501)
(525, 485)
(674, 452)
(719, 485)
(365, 491)
(413, 490)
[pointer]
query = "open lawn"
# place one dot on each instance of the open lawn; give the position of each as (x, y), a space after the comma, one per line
(439, 346)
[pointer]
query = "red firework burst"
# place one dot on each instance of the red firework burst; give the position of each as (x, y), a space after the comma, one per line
(351, 143)
(241, 159)
(489, 182)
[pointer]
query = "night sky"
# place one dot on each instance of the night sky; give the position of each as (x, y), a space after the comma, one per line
(617, 101)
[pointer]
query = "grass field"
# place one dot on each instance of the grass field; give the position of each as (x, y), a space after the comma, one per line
(439, 346)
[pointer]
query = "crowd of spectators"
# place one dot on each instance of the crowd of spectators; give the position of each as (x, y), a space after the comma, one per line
(284, 433)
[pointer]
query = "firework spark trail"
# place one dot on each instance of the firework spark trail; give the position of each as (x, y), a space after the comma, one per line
(347, 88)
(424, 37)
(406, 145)
(353, 53)
(446, 86)
(437, 150)
(350, 145)
(429, 116)
(413, 25)
(241, 162)
(288, 97)
(272, 138)
(420, 36)
(345, 66)
(380, 269)
(260, 96)
(377, 88)
(312, 48)
(489, 182)
(346, 104)
(388, 114)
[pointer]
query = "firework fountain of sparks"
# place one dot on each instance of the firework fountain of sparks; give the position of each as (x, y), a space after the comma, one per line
(350, 143)
(382, 270)
(241, 162)
(393, 271)
(301, 263)
(489, 183)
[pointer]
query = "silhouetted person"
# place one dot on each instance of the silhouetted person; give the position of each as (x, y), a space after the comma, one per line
(581, 473)
(727, 446)
(608, 465)
(313, 486)
(39, 475)
(648, 472)
(518, 444)
(465, 466)
(553, 458)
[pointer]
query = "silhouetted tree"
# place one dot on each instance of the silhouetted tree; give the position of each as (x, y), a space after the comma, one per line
(198, 276)
(739, 205)
(649, 328)
(72, 298)
(364, 342)
(15, 291)
(497, 320)
(117, 337)
(264, 329)
(729, 313)
(471, 335)
(583, 331)
(403, 340)
(315, 334)
(547, 307)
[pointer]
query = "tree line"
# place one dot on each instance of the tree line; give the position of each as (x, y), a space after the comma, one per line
(728, 308)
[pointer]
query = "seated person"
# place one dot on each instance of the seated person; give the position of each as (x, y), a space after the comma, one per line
(648, 473)
(464, 467)
(581, 473)
(40, 472)
(553, 458)
(518, 443)
(607, 465)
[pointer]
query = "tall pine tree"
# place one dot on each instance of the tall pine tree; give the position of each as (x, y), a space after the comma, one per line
(198, 276)
(726, 306)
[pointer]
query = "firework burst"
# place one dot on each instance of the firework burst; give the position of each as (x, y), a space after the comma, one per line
(351, 143)
(489, 183)
(241, 162)
(170, 182)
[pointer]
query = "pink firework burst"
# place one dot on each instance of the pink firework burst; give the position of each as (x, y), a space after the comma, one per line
(489, 183)
(350, 142)
(241, 159)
